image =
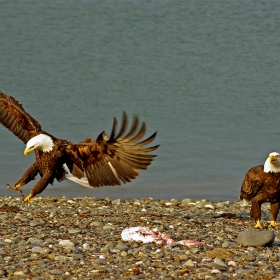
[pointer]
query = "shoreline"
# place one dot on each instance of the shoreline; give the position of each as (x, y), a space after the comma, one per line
(80, 238)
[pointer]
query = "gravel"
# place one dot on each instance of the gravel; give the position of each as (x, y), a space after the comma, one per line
(80, 238)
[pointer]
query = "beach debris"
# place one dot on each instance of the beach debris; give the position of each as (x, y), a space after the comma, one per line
(152, 235)
(220, 253)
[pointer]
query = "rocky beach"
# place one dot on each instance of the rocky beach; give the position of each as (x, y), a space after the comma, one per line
(81, 238)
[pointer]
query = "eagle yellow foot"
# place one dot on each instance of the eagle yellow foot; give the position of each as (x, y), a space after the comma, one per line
(273, 224)
(258, 225)
(26, 199)
(15, 188)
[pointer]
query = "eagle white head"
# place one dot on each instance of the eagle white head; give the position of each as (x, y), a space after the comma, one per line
(272, 164)
(42, 142)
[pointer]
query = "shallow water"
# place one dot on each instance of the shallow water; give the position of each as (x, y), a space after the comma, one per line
(204, 75)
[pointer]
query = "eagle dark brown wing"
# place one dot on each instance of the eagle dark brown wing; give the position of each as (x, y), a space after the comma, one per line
(252, 183)
(108, 161)
(257, 181)
(14, 117)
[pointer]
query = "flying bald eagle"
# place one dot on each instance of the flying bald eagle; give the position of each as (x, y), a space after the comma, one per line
(262, 184)
(106, 161)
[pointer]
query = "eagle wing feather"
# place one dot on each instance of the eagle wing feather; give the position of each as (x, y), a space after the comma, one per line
(252, 183)
(108, 161)
(16, 119)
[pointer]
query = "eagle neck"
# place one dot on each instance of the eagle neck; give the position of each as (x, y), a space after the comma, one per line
(269, 167)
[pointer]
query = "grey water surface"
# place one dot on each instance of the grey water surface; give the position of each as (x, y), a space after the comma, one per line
(204, 74)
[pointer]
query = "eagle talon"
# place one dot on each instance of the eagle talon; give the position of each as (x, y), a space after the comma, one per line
(26, 199)
(14, 188)
(258, 225)
(273, 225)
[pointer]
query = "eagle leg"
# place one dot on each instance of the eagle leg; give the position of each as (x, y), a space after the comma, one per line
(15, 188)
(256, 212)
(274, 210)
(38, 188)
(28, 175)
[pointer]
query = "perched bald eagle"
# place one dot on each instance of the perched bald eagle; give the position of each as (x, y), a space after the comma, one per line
(262, 184)
(106, 161)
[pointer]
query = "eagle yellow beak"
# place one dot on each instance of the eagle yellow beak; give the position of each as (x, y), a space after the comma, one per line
(27, 151)
(272, 158)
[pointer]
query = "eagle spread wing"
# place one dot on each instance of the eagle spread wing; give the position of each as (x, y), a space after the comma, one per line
(107, 161)
(14, 117)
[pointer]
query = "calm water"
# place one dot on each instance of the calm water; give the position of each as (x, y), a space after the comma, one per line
(204, 74)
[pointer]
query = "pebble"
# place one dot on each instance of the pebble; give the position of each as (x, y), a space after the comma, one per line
(248, 257)
(189, 263)
(228, 244)
(74, 231)
(256, 238)
(67, 244)
(80, 238)
(38, 249)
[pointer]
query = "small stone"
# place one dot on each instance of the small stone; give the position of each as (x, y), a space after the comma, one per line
(108, 227)
(110, 245)
(203, 275)
(199, 205)
(78, 256)
(4, 216)
(56, 271)
(189, 263)
(104, 250)
(19, 273)
(228, 244)
(256, 238)
(220, 267)
(96, 224)
(117, 201)
(246, 257)
(33, 257)
(219, 262)
(123, 254)
(209, 206)
(232, 263)
(74, 231)
(67, 244)
(186, 201)
(137, 202)
(34, 241)
(63, 259)
(183, 257)
(122, 246)
(243, 271)
(214, 271)
(195, 250)
(38, 249)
